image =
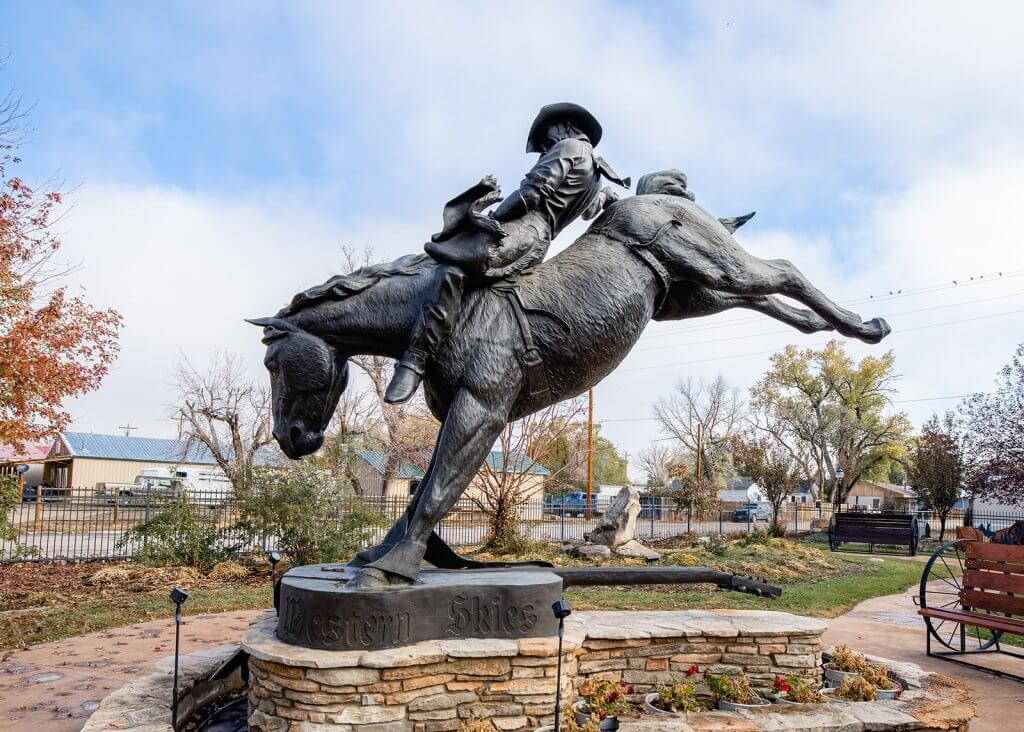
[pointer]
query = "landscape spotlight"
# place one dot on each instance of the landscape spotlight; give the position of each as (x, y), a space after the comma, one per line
(178, 597)
(274, 558)
(561, 609)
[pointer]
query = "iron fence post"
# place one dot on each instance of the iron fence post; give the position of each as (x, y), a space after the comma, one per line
(652, 519)
(145, 535)
(748, 520)
(721, 527)
(561, 512)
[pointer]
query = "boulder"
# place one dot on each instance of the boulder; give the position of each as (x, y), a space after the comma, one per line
(636, 550)
(618, 524)
(594, 551)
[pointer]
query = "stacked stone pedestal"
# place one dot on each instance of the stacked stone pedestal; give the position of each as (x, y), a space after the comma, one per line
(425, 687)
(438, 685)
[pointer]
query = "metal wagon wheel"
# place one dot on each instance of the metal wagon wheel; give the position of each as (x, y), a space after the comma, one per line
(940, 589)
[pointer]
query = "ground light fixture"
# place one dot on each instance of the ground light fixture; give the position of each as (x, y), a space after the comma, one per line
(561, 609)
(178, 597)
(274, 558)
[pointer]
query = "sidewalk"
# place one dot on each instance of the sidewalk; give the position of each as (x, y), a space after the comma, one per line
(890, 627)
(56, 686)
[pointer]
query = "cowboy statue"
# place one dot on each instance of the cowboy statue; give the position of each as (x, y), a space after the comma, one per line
(564, 184)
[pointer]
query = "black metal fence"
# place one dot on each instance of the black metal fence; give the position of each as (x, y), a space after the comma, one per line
(84, 525)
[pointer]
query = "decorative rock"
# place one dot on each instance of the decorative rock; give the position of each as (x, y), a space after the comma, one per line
(618, 524)
(594, 551)
(635, 549)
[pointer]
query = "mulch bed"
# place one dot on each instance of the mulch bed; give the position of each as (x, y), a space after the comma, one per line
(36, 584)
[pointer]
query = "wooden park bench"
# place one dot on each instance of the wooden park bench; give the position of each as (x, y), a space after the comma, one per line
(971, 593)
(884, 529)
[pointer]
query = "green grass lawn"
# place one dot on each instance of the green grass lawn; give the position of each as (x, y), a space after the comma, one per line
(825, 598)
(49, 601)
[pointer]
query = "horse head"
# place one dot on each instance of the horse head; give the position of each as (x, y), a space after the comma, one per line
(307, 378)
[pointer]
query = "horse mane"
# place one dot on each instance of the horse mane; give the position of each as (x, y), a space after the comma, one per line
(341, 287)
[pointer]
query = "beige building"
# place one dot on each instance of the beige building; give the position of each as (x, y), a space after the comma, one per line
(78, 462)
(369, 475)
(870, 495)
(529, 476)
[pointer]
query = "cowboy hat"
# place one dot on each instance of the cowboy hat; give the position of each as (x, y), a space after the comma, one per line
(556, 113)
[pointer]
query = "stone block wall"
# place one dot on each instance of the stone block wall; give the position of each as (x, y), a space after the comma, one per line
(436, 686)
(648, 662)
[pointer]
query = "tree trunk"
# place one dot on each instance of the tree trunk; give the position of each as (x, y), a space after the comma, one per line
(942, 526)
(504, 536)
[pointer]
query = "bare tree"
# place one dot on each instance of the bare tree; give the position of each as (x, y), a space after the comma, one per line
(714, 409)
(656, 462)
(993, 436)
(401, 432)
(223, 410)
(348, 433)
(503, 490)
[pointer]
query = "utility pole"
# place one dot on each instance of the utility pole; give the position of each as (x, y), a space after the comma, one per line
(700, 448)
(127, 429)
(590, 450)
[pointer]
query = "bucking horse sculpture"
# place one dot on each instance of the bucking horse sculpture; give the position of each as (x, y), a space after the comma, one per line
(520, 346)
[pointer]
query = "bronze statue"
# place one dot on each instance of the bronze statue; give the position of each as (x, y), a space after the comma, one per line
(515, 348)
(564, 184)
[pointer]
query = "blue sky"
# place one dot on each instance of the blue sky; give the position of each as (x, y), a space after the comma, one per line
(222, 153)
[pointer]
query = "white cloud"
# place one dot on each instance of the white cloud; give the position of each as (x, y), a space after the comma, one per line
(883, 139)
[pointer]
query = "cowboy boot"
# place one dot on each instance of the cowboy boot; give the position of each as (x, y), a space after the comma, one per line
(432, 328)
(407, 377)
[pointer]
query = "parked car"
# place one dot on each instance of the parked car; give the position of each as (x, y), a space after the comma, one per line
(568, 504)
(752, 512)
(49, 494)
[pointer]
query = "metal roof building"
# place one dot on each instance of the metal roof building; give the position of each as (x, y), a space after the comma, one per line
(78, 462)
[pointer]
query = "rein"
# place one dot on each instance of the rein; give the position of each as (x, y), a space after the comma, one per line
(642, 250)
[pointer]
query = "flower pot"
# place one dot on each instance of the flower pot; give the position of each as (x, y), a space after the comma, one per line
(887, 694)
(835, 677)
(609, 723)
(728, 706)
(650, 708)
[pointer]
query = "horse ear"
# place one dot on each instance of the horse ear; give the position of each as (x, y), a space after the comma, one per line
(273, 322)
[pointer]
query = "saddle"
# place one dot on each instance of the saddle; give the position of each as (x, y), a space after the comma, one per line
(466, 240)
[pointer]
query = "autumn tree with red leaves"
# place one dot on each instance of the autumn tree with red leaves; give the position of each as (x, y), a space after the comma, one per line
(53, 344)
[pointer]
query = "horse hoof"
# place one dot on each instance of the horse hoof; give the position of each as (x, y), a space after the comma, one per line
(368, 578)
(876, 329)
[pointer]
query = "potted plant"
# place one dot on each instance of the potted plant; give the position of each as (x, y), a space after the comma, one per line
(853, 690)
(602, 702)
(674, 700)
(732, 694)
(794, 690)
(886, 687)
(845, 665)
(569, 724)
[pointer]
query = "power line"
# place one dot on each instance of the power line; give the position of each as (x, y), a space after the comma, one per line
(978, 280)
(894, 401)
(813, 345)
(788, 330)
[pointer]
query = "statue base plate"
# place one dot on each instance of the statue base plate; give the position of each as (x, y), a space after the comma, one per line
(317, 610)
